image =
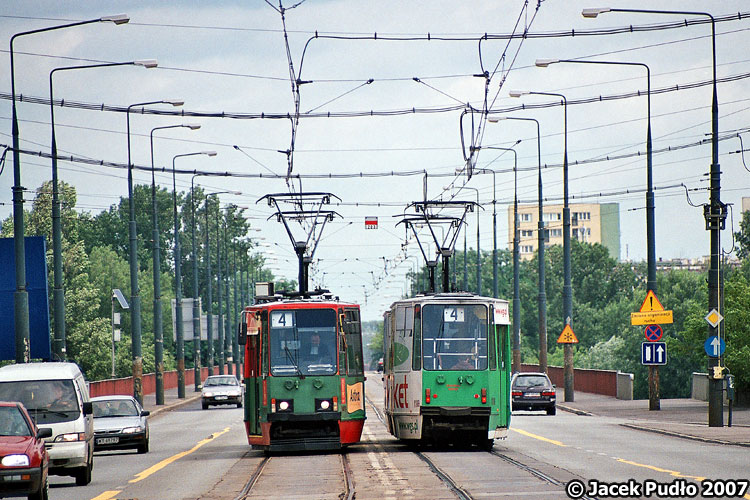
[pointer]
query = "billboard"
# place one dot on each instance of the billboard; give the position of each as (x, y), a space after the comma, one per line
(36, 279)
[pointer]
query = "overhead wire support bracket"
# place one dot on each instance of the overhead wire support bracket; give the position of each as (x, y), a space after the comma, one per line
(317, 217)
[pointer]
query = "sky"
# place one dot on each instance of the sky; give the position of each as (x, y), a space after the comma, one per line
(230, 57)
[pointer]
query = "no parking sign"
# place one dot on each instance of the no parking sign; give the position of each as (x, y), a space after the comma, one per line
(653, 333)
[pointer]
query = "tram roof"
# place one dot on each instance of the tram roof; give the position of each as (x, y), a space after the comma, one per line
(311, 302)
(461, 297)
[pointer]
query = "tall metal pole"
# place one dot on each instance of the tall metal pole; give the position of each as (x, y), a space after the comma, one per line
(209, 299)
(158, 322)
(135, 298)
(235, 345)
(196, 308)
(21, 296)
(180, 334)
(542, 294)
(220, 287)
(227, 332)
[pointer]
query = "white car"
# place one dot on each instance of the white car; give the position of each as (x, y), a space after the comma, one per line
(221, 390)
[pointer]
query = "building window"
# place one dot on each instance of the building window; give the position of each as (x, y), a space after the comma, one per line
(526, 233)
(555, 233)
(527, 249)
(552, 216)
(525, 217)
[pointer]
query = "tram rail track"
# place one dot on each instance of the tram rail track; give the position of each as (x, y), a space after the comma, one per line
(245, 492)
(454, 487)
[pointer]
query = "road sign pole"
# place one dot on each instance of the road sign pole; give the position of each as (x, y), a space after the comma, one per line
(653, 388)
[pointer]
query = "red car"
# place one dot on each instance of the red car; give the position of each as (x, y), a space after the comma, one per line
(23, 458)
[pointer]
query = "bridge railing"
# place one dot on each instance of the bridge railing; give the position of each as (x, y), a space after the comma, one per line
(125, 385)
(606, 382)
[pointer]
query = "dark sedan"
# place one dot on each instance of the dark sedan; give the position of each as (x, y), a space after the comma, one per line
(24, 461)
(533, 391)
(119, 423)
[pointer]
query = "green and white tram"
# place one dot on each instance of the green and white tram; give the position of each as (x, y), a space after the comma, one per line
(447, 369)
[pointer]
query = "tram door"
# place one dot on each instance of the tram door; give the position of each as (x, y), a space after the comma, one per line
(253, 379)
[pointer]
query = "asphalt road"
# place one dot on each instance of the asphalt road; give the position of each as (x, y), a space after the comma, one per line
(190, 450)
(204, 454)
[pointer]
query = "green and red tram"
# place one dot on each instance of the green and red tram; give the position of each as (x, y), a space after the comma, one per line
(447, 369)
(303, 373)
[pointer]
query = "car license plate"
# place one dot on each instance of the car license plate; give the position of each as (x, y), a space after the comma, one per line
(219, 398)
(534, 395)
(110, 440)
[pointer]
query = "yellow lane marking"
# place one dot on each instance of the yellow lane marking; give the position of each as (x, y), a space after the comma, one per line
(107, 495)
(540, 438)
(658, 469)
(157, 467)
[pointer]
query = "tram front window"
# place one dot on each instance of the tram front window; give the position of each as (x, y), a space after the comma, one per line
(303, 342)
(454, 337)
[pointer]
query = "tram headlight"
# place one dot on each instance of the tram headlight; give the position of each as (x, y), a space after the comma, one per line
(324, 405)
(284, 405)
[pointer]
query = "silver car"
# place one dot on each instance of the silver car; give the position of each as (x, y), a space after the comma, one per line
(120, 423)
(221, 390)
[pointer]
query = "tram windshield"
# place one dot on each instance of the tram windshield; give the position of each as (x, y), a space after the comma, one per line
(454, 337)
(303, 342)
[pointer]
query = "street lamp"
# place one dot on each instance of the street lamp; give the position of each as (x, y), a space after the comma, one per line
(178, 286)
(209, 291)
(21, 296)
(135, 299)
(567, 287)
(58, 294)
(542, 295)
(516, 265)
(158, 331)
(715, 215)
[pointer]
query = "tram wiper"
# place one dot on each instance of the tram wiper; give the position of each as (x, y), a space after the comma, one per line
(292, 361)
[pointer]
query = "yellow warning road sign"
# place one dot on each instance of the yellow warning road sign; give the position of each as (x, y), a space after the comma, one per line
(567, 336)
(651, 318)
(651, 303)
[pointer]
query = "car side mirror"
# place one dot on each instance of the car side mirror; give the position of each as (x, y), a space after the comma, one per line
(145, 413)
(43, 432)
(88, 408)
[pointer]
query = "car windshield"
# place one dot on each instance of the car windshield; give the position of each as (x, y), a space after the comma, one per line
(47, 401)
(454, 337)
(303, 342)
(531, 381)
(12, 422)
(214, 381)
(114, 408)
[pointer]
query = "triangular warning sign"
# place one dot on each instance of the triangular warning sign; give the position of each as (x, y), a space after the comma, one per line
(651, 303)
(567, 336)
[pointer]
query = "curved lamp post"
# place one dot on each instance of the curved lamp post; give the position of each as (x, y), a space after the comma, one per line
(567, 287)
(715, 214)
(158, 330)
(58, 294)
(178, 285)
(21, 296)
(542, 294)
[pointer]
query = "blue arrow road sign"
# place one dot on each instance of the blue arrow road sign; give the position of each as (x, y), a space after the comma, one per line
(654, 353)
(714, 346)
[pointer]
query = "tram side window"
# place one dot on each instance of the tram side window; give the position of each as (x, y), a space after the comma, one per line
(353, 332)
(454, 337)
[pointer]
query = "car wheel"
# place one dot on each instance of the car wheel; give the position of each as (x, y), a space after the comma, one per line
(239, 405)
(143, 448)
(551, 411)
(83, 475)
(42, 494)
(205, 406)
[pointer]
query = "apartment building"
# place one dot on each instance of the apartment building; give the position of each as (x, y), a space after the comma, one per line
(589, 222)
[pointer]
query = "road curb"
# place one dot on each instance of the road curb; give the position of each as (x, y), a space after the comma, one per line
(683, 436)
(570, 409)
(177, 404)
